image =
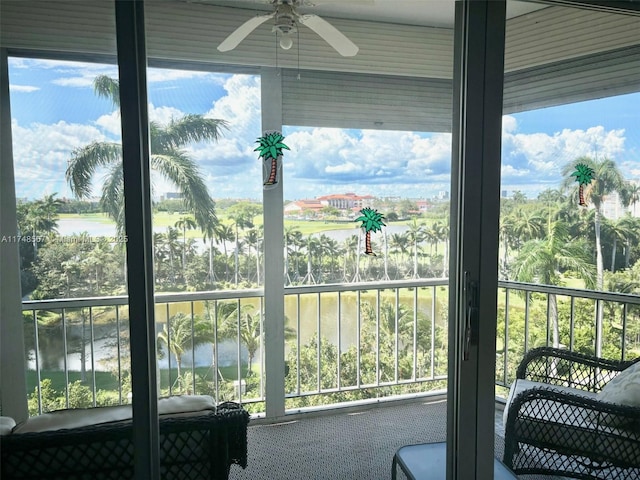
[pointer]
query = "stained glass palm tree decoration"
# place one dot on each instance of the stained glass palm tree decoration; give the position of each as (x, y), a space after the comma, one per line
(584, 176)
(270, 149)
(372, 221)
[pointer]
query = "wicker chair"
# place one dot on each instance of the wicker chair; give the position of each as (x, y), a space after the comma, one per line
(555, 423)
(200, 445)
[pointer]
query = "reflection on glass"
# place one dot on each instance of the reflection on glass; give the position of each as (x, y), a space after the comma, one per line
(334, 176)
(569, 215)
(68, 169)
(365, 210)
(207, 232)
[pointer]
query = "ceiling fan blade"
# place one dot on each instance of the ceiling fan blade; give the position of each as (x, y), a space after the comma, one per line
(330, 34)
(242, 32)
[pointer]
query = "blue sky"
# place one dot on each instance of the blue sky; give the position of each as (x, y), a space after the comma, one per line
(54, 111)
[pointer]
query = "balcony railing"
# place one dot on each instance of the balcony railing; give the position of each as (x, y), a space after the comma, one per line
(343, 342)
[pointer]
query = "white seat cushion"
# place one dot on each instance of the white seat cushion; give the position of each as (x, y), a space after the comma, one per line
(83, 417)
(520, 385)
(6, 425)
(623, 389)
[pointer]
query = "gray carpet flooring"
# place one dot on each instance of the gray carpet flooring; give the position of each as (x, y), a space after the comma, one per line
(343, 446)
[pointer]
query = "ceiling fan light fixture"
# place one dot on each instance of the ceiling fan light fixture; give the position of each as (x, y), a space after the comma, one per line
(286, 42)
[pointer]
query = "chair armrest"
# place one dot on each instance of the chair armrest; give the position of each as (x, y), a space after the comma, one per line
(573, 424)
(556, 366)
(554, 405)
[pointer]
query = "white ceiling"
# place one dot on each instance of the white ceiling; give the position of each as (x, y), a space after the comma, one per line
(434, 13)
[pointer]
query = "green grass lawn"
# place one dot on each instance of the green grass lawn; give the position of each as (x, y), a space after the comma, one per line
(163, 220)
(101, 218)
(104, 380)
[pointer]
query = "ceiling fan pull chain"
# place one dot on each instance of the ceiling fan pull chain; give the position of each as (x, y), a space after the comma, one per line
(298, 41)
(276, 49)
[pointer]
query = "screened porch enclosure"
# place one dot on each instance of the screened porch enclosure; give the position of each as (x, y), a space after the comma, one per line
(272, 309)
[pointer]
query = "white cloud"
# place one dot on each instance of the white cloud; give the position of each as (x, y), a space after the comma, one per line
(23, 88)
(110, 122)
(544, 155)
(321, 160)
(156, 75)
(80, 75)
(41, 153)
(509, 124)
(164, 115)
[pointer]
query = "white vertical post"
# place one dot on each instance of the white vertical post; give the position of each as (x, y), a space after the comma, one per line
(13, 388)
(271, 86)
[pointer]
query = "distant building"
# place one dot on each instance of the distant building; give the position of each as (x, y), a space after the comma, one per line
(171, 196)
(613, 209)
(612, 206)
(300, 206)
(443, 195)
(423, 205)
(347, 201)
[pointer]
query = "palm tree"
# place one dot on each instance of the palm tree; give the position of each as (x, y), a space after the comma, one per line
(541, 260)
(313, 246)
(528, 225)
(182, 333)
(551, 196)
(225, 234)
(519, 197)
(445, 232)
(507, 232)
(292, 242)
(185, 223)
(371, 221)
(50, 206)
(242, 215)
(211, 233)
(171, 247)
(399, 243)
(351, 244)
(254, 239)
(631, 227)
(631, 194)
(167, 157)
(35, 221)
(246, 325)
(416, 234)
(618, 230)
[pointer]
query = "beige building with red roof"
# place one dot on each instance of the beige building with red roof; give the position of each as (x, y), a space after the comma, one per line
(347, 201)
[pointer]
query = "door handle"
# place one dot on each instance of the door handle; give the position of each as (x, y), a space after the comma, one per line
(471, 313)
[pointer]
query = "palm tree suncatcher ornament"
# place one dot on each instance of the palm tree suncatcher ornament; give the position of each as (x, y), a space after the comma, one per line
(270, 150)
(372, 221)
(584, 176)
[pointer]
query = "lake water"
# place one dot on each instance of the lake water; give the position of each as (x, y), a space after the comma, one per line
(332, 321)
(51, 349)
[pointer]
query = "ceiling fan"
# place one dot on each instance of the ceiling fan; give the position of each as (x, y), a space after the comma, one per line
(286, 23)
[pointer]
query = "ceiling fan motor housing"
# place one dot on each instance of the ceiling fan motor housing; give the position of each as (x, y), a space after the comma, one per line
(285, 20)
